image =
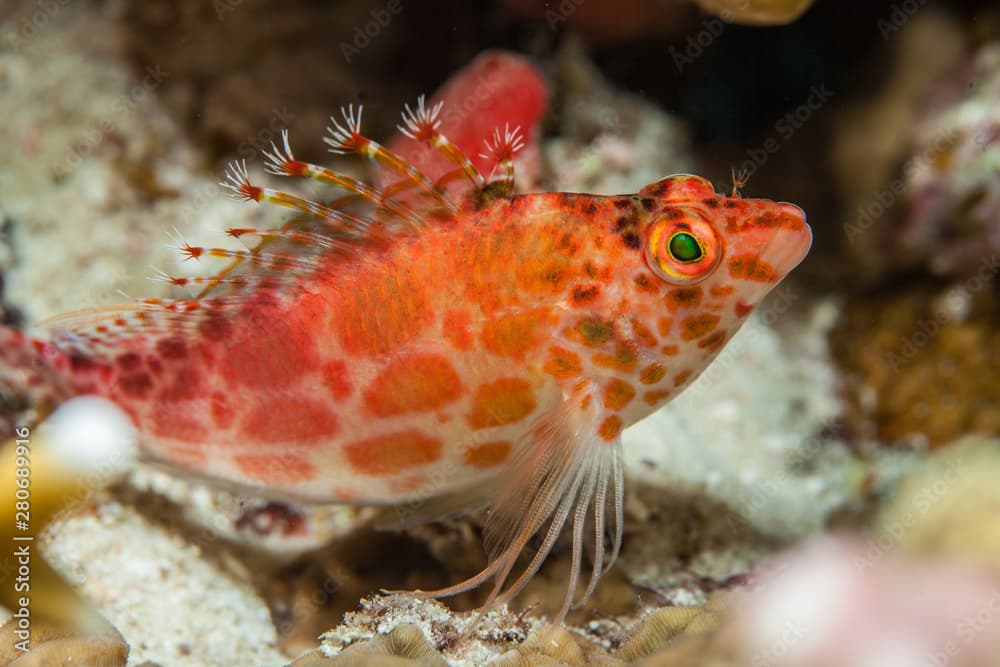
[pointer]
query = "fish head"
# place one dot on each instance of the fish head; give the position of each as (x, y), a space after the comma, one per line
(718, 255)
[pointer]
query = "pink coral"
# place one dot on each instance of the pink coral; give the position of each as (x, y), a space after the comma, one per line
(495, 90)
(836, 602)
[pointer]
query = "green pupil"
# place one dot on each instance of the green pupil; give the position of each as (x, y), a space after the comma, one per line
(684, 248)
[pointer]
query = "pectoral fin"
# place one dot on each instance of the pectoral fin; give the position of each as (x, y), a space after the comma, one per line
(561, 468)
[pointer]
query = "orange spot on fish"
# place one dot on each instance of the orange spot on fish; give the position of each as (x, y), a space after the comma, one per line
(713, 341)
(504, 401)
(488, 454)
(643, 334)
(618, 394)
(592, 331)
(682, 297)
(682, 377)
(392, 453)
(656, 396)
(562, 363)
(721, 290)
(625, 358)
(275, 468)
(670, 350)
(652, 373)
(646, 283)
(697, 326)
(337, 379)
(514, 335)
(455, 328)
(750, 267)
(585, 294)
(415, 383)
(664, 325)
(297, 419)
(610, 428)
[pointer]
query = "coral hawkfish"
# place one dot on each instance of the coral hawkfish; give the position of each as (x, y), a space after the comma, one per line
(422, 342)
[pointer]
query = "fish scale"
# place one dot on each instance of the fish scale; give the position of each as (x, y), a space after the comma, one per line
(418, 343)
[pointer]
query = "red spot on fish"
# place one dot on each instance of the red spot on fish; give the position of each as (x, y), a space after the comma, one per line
(175, 422)
(222, 413)
(297, 420)
(187, 384)
(742, 308)
(392, 453)
(337, 379)
(136, 385)
(272, 360)
(171, 348)
(128, 362)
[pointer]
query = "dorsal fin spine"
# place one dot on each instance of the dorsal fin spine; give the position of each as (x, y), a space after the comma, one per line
(421, 124)
(347, 138)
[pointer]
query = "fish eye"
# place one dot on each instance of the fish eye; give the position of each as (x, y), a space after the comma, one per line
(685, 248)
(682, 247)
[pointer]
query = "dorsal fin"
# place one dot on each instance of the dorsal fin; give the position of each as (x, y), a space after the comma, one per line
(359, 218)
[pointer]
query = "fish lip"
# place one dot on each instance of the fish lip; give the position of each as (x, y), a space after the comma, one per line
(788, 247)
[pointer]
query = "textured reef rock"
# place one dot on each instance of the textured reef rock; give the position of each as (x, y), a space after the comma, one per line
(926, 372)
(952, 222)
(875, 133)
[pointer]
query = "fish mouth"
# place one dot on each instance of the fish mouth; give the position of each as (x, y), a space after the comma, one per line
(790, 243)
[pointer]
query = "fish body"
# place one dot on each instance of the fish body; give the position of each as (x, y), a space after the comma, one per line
(494, 346)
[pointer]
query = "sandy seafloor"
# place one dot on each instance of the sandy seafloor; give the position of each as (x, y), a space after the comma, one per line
(97, 169)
